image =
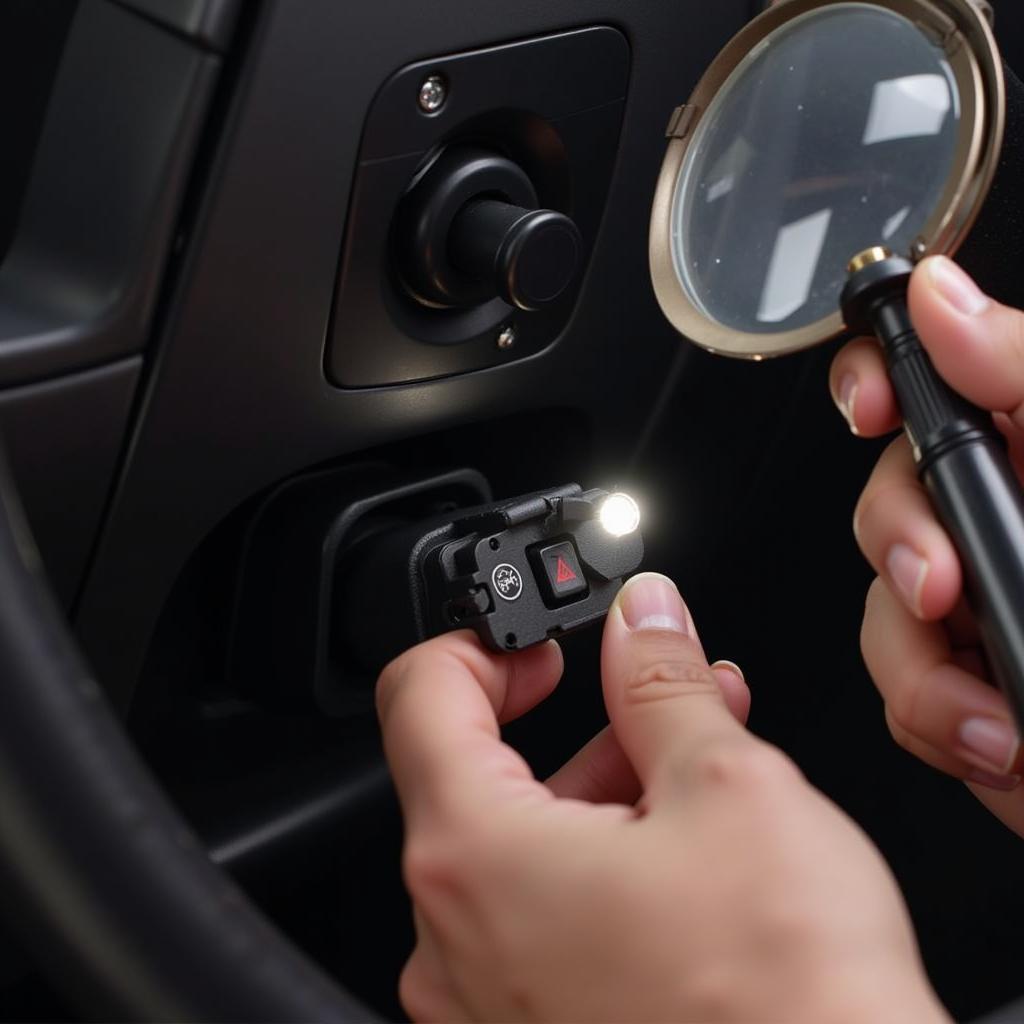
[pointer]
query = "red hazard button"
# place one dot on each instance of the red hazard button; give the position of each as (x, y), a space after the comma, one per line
(558, 572)
(564, 573)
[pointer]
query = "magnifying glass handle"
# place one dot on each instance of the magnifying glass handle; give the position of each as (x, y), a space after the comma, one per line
(963, 462)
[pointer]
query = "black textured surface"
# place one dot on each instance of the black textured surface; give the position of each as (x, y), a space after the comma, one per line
(79, 282)
(63, 439)
(210, 23)
(238, 400)
(994, 250)
(32, 34)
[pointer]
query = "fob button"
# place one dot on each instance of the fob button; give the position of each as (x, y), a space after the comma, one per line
(562, 576)
(508, 582)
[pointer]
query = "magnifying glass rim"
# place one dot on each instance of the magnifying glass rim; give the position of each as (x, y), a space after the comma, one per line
(974, 59)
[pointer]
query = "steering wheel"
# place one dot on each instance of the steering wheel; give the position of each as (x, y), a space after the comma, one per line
(101, 878)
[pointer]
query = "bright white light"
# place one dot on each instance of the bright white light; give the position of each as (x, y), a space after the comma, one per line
(619, 514)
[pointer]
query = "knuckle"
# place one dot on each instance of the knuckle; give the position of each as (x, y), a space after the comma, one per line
(893, 475)
(899, 734)
(745, 764)
(868, 515)
(414, 990)
(865, 517)
(790, 923)
(903, 703)
(666, 677)
(876, 593)
(1016, 335)
(388, 683)
(859, 513)
(897, 458)
(442, 862)
(873, 616)
(711, 991)
(429, 866)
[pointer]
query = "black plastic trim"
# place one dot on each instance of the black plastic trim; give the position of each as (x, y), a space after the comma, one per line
(210, 23)
(63, 440)
(237, 399)
(553, 106)
(80, 280)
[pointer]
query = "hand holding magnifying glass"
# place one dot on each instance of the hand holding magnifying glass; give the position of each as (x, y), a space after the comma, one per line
(920, 643)
(828, 148)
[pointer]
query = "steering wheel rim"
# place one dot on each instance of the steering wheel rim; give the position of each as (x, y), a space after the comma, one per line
(101, 879)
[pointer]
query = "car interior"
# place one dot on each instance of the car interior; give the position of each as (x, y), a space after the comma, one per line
(242, 338)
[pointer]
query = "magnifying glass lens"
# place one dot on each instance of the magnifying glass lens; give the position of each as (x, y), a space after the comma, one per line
(836, 133)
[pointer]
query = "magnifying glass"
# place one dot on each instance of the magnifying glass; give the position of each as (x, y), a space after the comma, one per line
(829, 147)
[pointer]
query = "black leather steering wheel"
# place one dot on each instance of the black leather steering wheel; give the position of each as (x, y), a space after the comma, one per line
(101, 879)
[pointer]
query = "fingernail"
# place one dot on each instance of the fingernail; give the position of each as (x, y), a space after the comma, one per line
(956, 287)
(908, 571)
(1005, 783)
(847, 399)
(729, 666)
(650, 601)
(991, 742)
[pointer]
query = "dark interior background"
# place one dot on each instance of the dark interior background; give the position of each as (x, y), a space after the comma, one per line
(751, 478)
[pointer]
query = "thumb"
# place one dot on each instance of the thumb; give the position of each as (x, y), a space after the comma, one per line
(976, 343)
(664, 701)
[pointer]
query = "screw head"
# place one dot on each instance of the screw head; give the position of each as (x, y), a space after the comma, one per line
(507, 338)
(433, 93)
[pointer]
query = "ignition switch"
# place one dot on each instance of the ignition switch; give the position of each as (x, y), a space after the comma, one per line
(469, 230)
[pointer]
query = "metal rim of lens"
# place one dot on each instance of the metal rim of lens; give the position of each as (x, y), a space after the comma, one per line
(974, 58)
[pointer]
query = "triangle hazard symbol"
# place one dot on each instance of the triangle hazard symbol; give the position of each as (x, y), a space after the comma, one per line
(565, 573)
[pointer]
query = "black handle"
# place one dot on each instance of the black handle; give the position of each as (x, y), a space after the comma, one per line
(963, 462)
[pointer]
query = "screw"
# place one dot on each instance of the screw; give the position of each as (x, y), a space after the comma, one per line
(507, 338)
(433, 93)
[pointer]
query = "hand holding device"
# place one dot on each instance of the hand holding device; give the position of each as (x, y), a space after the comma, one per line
(518, 572)
(572, 901)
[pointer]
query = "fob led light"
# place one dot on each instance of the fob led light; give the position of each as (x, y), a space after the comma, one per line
(619, 514)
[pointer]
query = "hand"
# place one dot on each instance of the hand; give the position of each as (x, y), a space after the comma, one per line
(920, 643)
(731, 891)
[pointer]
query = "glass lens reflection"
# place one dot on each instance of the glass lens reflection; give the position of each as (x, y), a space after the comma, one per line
(836, 133)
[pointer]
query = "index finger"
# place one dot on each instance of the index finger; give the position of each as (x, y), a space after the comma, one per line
(439, 706)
